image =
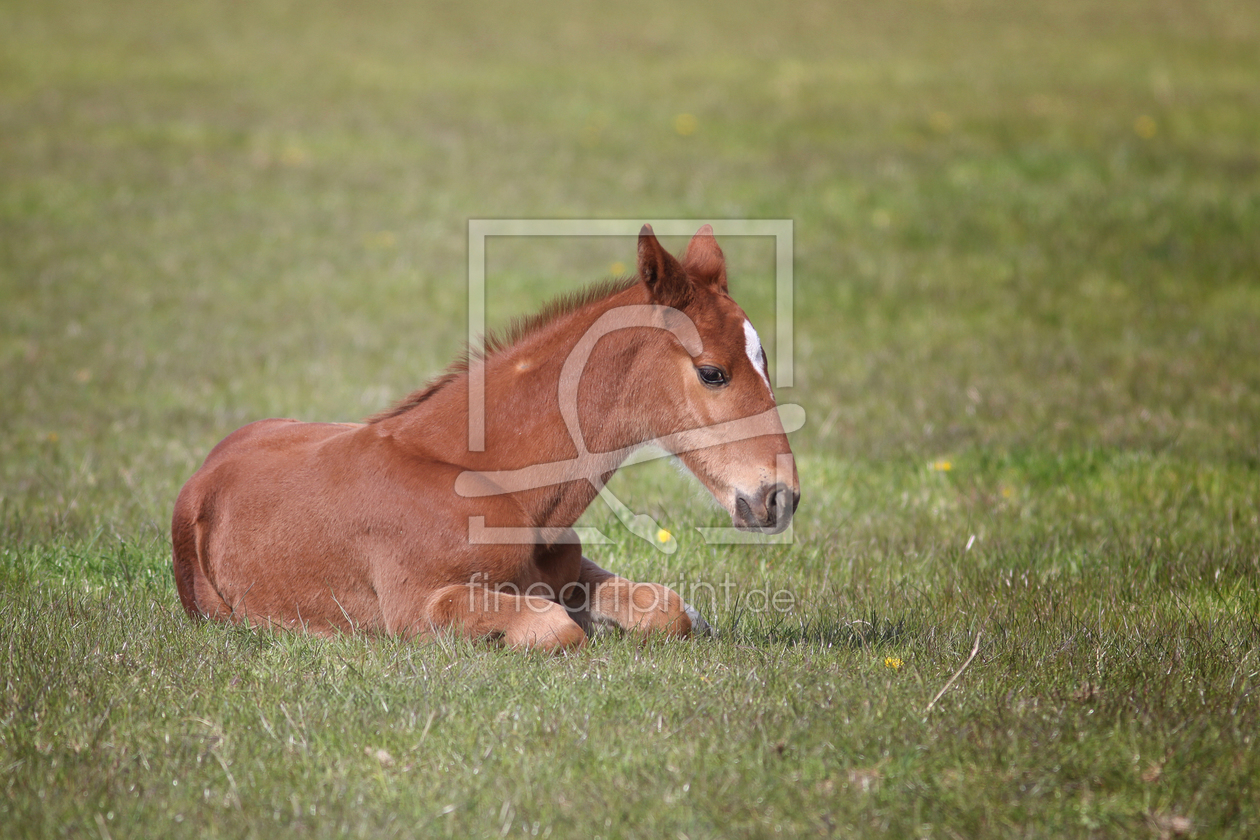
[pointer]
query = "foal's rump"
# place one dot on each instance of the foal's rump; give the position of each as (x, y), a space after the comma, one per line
(327, 527)
(272, 529)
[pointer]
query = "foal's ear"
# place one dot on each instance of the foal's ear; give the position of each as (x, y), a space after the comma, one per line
(704, 260)
(663, 275)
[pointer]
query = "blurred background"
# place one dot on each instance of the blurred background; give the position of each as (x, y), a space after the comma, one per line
(1027, 325)
(1026, 233)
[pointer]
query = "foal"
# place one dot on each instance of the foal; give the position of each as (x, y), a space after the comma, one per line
(395, 526)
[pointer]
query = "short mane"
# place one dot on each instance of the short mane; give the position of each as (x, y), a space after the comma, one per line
(518, 329)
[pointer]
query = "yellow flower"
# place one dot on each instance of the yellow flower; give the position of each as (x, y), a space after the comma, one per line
(892, 662)
(617, 269)
(686, 124)
(662, 536)
(942, 465)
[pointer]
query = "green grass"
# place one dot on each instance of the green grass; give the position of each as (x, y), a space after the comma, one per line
(1028, 313)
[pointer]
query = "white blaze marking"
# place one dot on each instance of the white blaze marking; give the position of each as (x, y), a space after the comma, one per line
(752, 346)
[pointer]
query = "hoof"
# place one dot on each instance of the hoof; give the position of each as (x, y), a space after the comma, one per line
(699, 627)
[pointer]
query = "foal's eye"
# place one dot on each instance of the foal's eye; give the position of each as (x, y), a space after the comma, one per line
(711, 376)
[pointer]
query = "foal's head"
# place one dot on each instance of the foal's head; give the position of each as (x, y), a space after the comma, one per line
(723, 378)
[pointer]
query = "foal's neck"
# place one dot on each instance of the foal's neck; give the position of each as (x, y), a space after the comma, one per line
(524, 425)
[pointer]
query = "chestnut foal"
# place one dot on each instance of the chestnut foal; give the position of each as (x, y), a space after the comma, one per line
(382, 526)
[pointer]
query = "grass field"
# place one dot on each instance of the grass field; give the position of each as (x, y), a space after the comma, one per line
(1027, 277)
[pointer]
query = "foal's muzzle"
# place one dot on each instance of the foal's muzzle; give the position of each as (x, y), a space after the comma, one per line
(768, 511)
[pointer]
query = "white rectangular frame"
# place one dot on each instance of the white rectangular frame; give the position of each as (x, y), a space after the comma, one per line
(480, 229)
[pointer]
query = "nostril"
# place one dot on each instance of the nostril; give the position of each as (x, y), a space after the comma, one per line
(769, 511)
(777, 505)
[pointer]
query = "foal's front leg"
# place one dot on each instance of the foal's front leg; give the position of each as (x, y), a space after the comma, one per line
(602, 598)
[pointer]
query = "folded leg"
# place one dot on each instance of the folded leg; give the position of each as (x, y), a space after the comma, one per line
(601, 599)
(522, 622)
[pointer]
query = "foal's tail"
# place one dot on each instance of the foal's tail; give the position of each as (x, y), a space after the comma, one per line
(196, 592)
(184, 554)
